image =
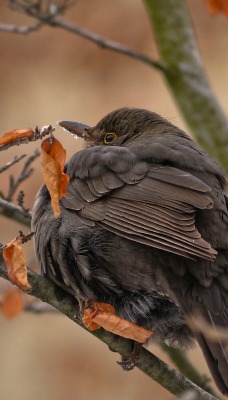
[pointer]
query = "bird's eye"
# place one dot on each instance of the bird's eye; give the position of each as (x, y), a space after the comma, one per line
(110, 137)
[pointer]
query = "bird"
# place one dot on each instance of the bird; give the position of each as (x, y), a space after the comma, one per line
(143, 227)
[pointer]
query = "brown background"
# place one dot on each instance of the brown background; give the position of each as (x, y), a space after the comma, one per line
(52, 75)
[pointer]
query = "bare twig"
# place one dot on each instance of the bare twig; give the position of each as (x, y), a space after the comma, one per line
(46, 7)
(151, 365)
(108, 44)
(24, 174)
(25, 238)
(12, 162)
(18, 213)
(49, 16)
(23, 30)
(38, 135)
(15, 212)
(20, 200)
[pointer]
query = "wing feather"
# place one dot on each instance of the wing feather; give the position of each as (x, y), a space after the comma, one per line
(155, 205)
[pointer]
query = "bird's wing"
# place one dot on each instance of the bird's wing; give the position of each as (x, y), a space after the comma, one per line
(154, 205)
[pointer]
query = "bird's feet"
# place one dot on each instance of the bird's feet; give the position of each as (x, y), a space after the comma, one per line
(129, 363)
(83, 302)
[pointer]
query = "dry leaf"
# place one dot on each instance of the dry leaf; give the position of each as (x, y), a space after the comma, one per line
(15, 135)
(216, 6)
(91, 312)
(102, 315)
(12, 303)
(16, 265)
(53, 157)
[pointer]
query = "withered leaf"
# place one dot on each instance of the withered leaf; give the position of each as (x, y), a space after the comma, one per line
(102, 315)
(12, 303)
(53, 157)
(216, 6)
(15, 135)
(16, 265)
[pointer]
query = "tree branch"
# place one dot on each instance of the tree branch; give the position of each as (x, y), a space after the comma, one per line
(12, 162)
(16, 213)
(24, 30)
(108, 44)
(50, 17)
(38, 134)
(183, 364)
(149, 364)
(23, 175)
(186, 78)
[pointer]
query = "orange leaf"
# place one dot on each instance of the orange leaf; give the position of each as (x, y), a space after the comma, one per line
(15, 135)
(12, 303)
(53, 157)
(92, 311)
(216, 6)
(102, 315)
(15, 261)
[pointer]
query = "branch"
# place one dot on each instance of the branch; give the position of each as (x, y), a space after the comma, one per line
(187, 79)
(24, 30)
(50, 17)
(17, 212)
(183, 364)
(149, 364)
(23, 175)
(181, 64)
(14, 212)
(108, 44)
(12, 162)
(38, 134)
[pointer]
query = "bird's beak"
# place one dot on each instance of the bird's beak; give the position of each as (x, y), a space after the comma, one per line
(77, 129)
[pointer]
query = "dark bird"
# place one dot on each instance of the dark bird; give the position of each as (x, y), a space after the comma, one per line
(144, 227)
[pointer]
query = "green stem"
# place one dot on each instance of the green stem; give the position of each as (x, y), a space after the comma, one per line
(186, 78)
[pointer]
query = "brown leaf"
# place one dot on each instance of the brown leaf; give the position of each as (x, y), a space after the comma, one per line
(15, 135)
(53, 157)
(12, 303)
(102, 315)
(216, 6)
(16, 265)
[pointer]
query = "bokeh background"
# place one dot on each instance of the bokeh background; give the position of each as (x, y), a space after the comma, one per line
(51, 75)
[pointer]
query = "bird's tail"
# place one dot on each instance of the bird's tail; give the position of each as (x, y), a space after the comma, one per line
(215, 349)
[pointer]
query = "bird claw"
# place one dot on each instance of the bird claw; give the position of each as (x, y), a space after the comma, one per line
(82, 301)
(128, 363)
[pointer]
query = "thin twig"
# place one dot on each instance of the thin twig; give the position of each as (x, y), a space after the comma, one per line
(38, 135)
(50, 17)
(108, 44)
(23, 30)
(24, 174)
(12, 162)
(46, 7)
(150, 364)
(15, 212)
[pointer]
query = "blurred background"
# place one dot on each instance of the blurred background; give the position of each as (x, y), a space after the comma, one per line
(51, 75)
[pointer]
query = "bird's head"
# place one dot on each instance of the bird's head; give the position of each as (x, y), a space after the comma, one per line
(119, 127)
